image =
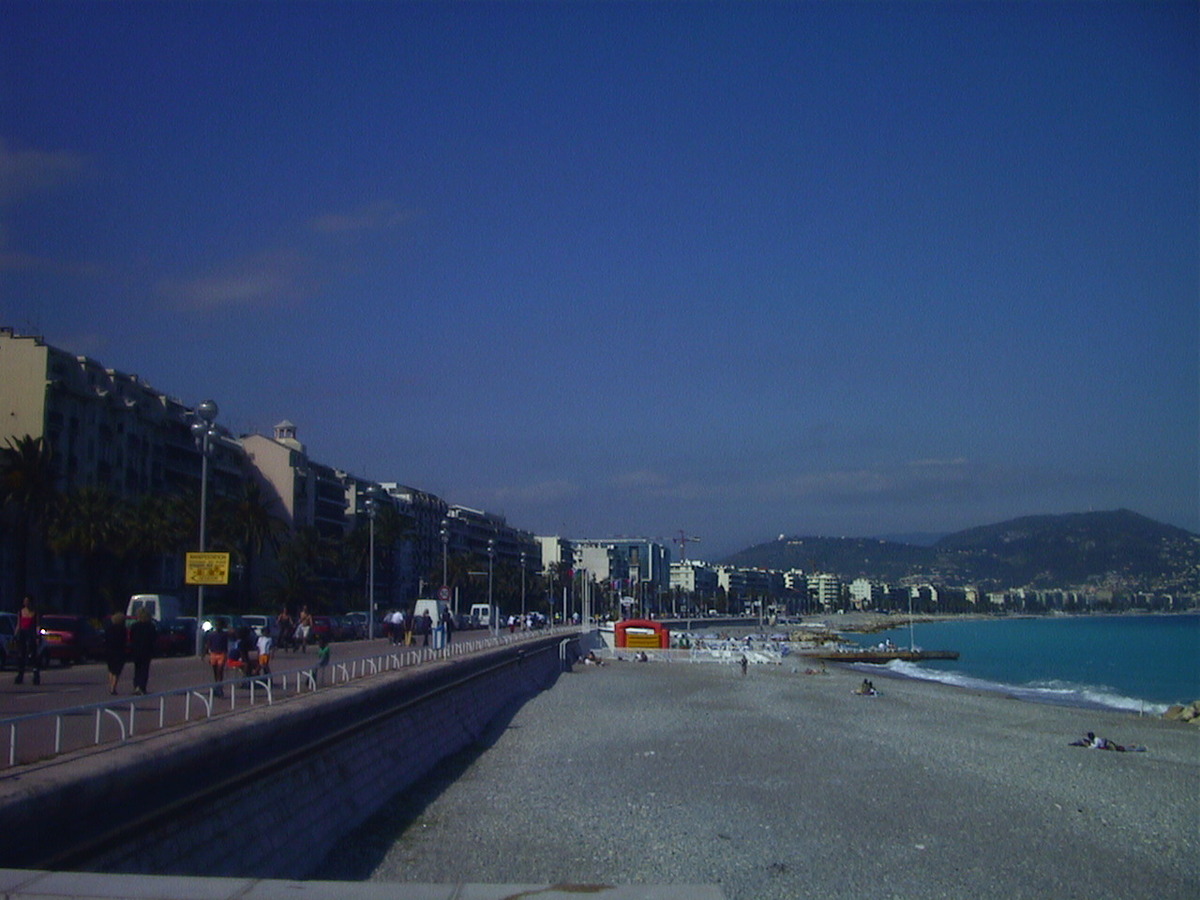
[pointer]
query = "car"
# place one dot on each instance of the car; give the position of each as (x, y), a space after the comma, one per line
(259, 623)
(176, 637)
(69, 639)
(8, 628)
(322, 627)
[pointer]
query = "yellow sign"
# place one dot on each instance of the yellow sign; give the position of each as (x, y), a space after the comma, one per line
(207, 568)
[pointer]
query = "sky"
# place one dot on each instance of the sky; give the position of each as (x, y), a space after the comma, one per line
(730, 270)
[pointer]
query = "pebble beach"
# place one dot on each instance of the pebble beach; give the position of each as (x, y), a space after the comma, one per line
(777, 784)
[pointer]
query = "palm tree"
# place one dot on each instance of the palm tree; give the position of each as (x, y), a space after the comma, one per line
(247, 526)
(28, 477)
(159, 525)
(90, 522)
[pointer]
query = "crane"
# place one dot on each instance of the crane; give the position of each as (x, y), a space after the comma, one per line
(683, 540)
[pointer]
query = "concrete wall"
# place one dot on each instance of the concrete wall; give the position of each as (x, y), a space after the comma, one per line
(263, 794)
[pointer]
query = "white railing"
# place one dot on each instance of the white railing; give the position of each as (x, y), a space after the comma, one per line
(44, 735)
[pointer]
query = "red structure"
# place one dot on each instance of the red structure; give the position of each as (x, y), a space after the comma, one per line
(646, 634)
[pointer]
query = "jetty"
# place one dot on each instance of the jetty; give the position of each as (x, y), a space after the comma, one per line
(876, 655)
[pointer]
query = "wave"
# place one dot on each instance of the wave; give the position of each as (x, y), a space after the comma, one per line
(1061, 693)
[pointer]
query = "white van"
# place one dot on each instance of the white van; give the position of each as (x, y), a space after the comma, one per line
(161, 606)
(485, 616)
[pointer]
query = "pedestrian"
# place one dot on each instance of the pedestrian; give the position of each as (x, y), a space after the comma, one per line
(247, 646)
(26, 640)
(266, 646)
(447, 624)
(397, 622)
(286, 629)
(322, 656)
(142, 636)
(218, 653)
(115, 639)
(426, 627)
(304, 628)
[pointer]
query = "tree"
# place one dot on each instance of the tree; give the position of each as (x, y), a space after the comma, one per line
(91, 522)
(246, 526)
(28, 478)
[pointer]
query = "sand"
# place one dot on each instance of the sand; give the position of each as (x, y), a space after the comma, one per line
(781, 785)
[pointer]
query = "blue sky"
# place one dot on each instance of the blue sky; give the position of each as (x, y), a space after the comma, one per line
(636, 268)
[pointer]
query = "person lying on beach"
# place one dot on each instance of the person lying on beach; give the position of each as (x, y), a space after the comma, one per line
(1099, 743)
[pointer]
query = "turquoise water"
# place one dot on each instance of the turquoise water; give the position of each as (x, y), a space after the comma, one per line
(1122, 662)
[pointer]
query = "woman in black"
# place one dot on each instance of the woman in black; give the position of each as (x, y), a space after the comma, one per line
(114, 648)
(142, 635)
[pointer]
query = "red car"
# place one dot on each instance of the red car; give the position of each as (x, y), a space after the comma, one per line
(70, 639)
(323, 626)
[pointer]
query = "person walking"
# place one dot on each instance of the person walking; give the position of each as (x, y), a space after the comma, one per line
(304, 629)
(266, 646)
(26, 639)
(142, 637)
(285, 629)
(218, 653)
(115, 639)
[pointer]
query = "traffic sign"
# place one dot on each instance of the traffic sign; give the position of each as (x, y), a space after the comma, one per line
(207, 568)
(444, 594)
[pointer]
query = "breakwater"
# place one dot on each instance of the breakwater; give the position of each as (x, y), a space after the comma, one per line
(263, 793)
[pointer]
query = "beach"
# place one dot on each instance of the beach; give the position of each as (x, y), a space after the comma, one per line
(778, 784)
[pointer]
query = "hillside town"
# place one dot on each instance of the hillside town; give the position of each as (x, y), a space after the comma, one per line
(108, 482)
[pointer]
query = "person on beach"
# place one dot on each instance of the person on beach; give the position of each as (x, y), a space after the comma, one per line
(115, 638)
(866, 689)
(142, 636)
(743, 664)
(1099, 743)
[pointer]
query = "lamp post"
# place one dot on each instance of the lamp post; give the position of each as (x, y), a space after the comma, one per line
(491, 560)
(372, 505)
(445, 552)
(522, 588)
(203, 431)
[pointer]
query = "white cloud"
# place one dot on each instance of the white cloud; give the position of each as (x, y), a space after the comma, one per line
(27, 172)
(266, 279)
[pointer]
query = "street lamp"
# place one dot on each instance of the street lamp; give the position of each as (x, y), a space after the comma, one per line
(491, 560)
(372, 505)
(522, 588)
(203, 431)
(445, 553)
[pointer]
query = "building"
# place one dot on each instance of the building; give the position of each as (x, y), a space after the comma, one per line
(106, 429)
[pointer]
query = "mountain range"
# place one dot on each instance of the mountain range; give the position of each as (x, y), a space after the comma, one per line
(1118, 550)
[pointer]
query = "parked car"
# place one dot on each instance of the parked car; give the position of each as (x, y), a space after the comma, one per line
(176, 637)
(356, 624)
(70, 639)
(8, 628)
(258, 623)
(322, 627)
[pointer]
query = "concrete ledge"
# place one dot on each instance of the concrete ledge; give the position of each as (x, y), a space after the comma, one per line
(220, 797)
(30, 885)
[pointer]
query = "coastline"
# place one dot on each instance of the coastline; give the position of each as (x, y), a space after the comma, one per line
(780, 785)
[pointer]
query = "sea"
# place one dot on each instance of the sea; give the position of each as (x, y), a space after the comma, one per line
(1136, 663)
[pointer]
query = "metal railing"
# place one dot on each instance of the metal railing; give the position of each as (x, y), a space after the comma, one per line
(36, 737)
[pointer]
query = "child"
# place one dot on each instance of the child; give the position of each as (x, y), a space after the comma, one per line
(266, 646)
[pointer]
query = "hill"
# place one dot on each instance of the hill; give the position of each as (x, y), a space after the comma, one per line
(1117, 549)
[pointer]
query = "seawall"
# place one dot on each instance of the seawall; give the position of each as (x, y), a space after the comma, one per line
(263, 793)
